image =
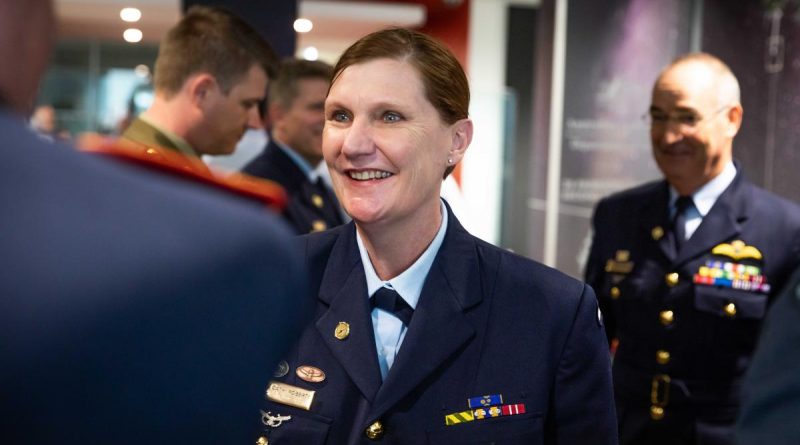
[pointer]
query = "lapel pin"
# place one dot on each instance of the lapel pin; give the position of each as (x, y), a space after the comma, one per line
(342, 330)
(657, 233)
(310, 374)
(273, 421)
(282, 369)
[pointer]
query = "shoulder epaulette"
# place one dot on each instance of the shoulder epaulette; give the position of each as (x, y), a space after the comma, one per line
(192, 168)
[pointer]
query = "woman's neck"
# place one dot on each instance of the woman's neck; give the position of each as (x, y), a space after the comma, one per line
(394, 247)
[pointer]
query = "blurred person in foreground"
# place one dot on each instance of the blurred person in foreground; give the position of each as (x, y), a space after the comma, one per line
(686, 267)
(210, 75)
(296, 113)
(771, 393)
(424, 333)
(133, 308)
(45, 123)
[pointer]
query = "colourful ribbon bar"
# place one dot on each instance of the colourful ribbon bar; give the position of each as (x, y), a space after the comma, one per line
(478, 402)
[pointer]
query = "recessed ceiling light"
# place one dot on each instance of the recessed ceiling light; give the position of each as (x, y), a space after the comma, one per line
(303, 25)
(310, 53)
(132, 35)
(130, 14)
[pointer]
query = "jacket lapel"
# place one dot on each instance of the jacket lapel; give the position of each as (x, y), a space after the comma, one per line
(439, 327)
(655, 214)
(720, 224)
(344, 291)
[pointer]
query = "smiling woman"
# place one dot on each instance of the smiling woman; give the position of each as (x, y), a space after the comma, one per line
(415, 315)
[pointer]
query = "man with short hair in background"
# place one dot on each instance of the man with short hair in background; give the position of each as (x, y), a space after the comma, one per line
(296, 113)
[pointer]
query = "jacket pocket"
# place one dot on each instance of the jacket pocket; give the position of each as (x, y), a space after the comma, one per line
(524, 429)
(730, 303)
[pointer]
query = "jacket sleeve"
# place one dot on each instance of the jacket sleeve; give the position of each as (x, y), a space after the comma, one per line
(771, 392)
(595, 274)
(583, 398)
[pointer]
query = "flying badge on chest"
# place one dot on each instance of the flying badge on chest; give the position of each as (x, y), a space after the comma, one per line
(620, 264)
(737, 250)
(743, 273)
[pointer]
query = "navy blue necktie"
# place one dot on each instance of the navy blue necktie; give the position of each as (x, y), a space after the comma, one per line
(682, 204)
(390, 301)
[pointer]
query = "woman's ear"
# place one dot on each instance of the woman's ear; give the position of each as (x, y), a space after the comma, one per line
(461, 138)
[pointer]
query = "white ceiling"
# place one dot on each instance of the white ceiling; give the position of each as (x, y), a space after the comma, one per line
(337, 23)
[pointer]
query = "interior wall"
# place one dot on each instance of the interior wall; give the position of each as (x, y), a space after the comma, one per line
(743, 34)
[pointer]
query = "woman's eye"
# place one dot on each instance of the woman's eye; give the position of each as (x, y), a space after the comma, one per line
(340, 116)
(391, 116)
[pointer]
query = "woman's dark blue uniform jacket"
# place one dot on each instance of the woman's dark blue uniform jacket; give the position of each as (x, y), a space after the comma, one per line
(488, 322)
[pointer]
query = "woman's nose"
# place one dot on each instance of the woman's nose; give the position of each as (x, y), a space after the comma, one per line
(358, 139)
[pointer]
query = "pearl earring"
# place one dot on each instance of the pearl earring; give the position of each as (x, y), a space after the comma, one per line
(449, 160)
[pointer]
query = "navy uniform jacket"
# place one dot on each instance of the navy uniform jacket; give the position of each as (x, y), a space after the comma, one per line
(772, 388)
(683, 327)
(134, 308)
(488, 322)
(311, 207)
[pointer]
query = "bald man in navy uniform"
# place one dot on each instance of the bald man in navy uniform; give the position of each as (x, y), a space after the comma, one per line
(686, 267)
(134, 307)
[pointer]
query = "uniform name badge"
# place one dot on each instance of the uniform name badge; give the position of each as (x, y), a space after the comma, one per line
(290, 395)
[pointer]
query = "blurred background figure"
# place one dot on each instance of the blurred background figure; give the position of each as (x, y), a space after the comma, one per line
(135, 308)
(211, 75)
(686, 267)
(44, 121)
(771, 392)
(296, 114)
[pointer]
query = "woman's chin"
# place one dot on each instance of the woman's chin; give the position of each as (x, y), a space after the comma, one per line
(364, 213)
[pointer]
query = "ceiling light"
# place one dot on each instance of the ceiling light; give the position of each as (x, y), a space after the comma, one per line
(132, 35)
(303, 25)
(130, 14)
(310, 53)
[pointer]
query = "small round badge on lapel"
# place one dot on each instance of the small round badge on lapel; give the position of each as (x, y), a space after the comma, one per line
(657, 233)
(342, 330)
(282, 369)
(310, 374)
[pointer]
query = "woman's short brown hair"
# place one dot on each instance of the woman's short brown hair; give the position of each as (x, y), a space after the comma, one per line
(445, 82)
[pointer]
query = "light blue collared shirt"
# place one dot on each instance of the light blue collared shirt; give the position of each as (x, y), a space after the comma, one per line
(704, 198)
(389, 330)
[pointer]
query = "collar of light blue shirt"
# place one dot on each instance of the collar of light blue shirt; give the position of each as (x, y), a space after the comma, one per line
(301, 163)
(705, 197)
(409, 283)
